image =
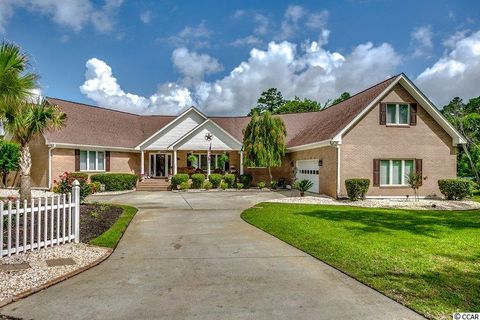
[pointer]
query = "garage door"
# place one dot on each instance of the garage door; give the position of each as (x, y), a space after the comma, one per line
(308, 169)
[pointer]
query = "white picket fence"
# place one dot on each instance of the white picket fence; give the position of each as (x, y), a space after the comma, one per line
(42, 222)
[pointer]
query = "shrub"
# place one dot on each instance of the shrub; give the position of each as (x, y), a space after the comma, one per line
(184, 185)
(303, 186)
(239, 185)
(207, 185)
(223, 185)
(116, 181)
(357, 188)
(229, 179)
(9, 159)
(96, 186)
(455, 189)
(261, 184)
(178, 179)
(64, 184)
(273, 184)
(215, 179)
(246, 180)
(197, 180)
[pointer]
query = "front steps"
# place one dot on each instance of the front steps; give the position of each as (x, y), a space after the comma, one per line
(153, 185)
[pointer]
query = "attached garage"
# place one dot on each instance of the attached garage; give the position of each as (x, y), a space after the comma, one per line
(309, 170)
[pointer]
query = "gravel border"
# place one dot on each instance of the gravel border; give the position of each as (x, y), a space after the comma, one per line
(12, 192)
(420, 204)
(15, 285)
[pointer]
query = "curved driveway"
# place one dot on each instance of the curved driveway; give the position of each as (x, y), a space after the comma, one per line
(190, 256)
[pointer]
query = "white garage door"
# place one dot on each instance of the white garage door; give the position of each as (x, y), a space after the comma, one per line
(308, 169)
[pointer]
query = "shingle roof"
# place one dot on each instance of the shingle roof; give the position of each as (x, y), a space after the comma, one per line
(91, 125)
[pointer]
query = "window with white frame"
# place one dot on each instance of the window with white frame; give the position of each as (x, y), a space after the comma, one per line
(201, 161)
(395, 172)
(398, 114)
(92, 160)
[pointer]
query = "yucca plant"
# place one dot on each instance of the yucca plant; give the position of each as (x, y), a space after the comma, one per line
(303, 186)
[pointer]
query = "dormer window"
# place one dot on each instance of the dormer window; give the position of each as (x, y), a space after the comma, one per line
(398, 114)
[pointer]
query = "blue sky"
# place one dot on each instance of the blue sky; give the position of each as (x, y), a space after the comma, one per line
(161, 56)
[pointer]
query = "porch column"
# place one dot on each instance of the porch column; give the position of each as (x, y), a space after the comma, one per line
(174, 162)
(241, 162)
(142, 162)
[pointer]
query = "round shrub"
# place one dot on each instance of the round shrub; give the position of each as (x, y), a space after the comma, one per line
(229, 179)
(357, 188)
(215, 179)
(261, 184)
(178, 179)
(116, 181)
(65, 182)
(239, 185)
(246, 180)
(456, 189)
(197, 180)
(223, 185)
(184, 185)
(207, 185)
(273, 184)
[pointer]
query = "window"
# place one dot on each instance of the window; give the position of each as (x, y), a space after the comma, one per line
(395, 172)
(202, 160)
(398, 114)
(92, 160)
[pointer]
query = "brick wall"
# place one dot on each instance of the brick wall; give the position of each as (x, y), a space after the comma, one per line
(427, 141)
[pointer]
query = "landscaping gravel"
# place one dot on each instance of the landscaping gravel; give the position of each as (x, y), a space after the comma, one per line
(13, 193)
(16, 282)
(420, 204)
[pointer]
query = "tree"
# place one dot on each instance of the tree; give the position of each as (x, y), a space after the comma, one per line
(9, 159)
(25, 120)
(466, 119)
(414, 180)
(344, 96)
(269, 100)
(264, 141)
(297, 105)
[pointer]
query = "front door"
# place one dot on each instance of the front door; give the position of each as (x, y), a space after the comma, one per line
(160, 164)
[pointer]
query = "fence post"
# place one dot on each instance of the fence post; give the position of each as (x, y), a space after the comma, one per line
(76, 219)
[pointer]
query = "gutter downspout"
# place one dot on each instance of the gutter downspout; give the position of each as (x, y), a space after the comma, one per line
(50, 148)
(336, 145)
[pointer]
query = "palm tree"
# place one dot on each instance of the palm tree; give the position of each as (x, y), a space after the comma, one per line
(24, 117)
(25, 120)
(264, 141)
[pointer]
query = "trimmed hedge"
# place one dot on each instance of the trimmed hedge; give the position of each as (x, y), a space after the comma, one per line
(357, 188)
(184, 185)
(207, 185)
(456, 189)
(178, 179)
(246, 180)
(229, 178)
(215, 179)
(197, 180)
(116, 181)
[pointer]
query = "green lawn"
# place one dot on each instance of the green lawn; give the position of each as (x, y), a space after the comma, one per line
(427, 260)
(111, 237)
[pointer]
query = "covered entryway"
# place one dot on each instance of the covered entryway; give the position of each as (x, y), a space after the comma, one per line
(309, 169)
(160, 164)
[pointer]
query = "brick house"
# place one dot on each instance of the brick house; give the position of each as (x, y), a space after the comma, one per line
(381, 133)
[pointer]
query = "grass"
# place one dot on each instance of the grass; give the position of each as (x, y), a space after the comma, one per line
(427, 260)
(476, 196)
(112, 236)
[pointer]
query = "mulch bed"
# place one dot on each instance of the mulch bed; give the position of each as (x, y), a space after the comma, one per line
(95, 219)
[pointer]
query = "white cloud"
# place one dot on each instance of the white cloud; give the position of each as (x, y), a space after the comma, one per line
(196, 36)
(455, 74)
(297, 18)
(247, 41)
(194, 66)
(146, 16)
(74, 14)
(422, 41)
(309, 71)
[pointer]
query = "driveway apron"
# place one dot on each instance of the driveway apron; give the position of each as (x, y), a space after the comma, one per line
(191, 256)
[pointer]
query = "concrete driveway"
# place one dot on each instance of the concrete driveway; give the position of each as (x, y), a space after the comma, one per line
(190, 256)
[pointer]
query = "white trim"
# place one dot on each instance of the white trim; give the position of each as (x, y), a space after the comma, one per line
(309, 146)
(91, 147)
(338, 170)
(50, 148)
(166, 163)
(397, 114)
(168, 125)
(200, 126)
(420, 98)
(96, 161)
(390, 173)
